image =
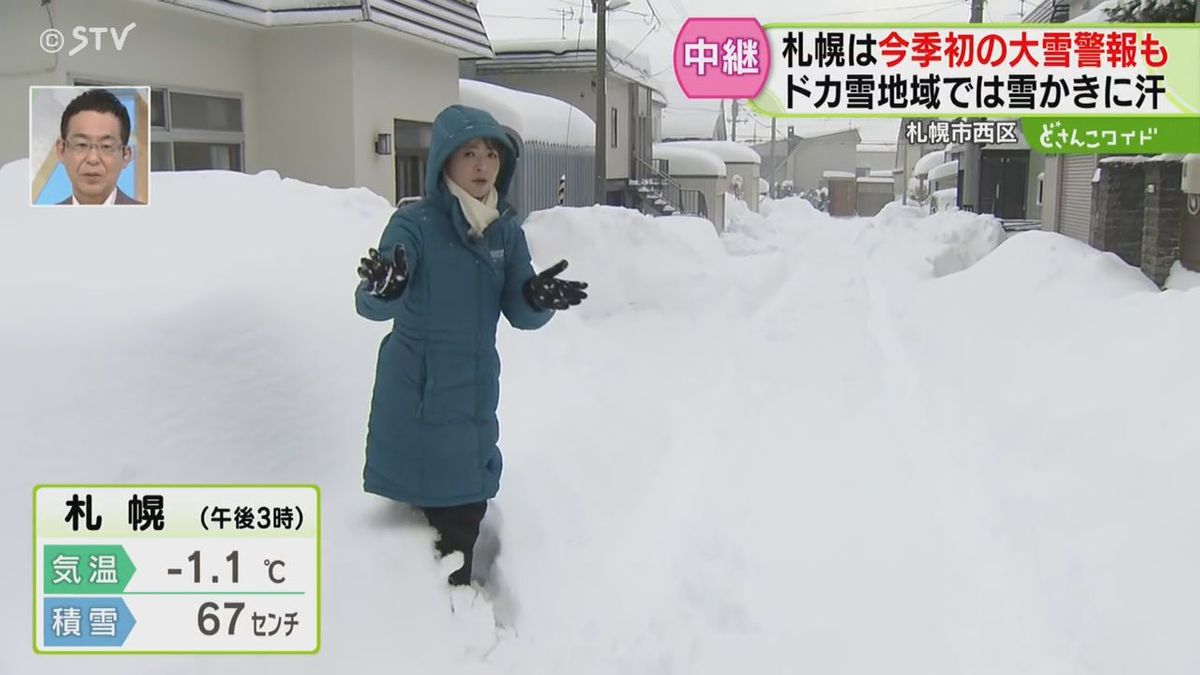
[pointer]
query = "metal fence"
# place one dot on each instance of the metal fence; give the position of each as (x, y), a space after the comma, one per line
(535, 185)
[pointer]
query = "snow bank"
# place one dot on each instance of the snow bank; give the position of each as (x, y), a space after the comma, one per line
(1181, 278)
(1052, 367)
(632, 262)
(533, 116)
(974, 445)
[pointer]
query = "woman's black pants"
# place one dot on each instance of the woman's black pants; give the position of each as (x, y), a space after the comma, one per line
(457, 528)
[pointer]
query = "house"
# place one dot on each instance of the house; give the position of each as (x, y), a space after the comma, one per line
(742, 166)
(1006, 184)
(907, 157)
(804, 160)
(698, 176)
(316, 90)
(1064, 190)
(873, 157)
(556, 142)
(565, 70)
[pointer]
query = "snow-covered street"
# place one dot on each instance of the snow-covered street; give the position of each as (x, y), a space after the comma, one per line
(903, 444)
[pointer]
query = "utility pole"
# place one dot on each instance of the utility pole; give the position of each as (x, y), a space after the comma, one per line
(601, 103)
(771, 187)
(971, 165)
(733, 130)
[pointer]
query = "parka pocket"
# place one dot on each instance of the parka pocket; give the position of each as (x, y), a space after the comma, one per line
(401, 374)
(450, 389)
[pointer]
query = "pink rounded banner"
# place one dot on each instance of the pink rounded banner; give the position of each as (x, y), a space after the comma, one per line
(722, 58)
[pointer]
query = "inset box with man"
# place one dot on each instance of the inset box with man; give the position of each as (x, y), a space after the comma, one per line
(89, 146)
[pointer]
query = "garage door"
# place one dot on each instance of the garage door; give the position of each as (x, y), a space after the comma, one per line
(1075, 202)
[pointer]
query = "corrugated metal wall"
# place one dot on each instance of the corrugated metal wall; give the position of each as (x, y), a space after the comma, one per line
(1075, 200)
(535, 186)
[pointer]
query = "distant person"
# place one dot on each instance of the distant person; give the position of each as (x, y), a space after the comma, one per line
(446, 268)
(94, 149)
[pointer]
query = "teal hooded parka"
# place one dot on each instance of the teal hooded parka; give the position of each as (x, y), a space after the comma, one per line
(432, 432)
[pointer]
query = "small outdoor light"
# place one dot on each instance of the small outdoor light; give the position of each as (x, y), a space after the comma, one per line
(383, 144)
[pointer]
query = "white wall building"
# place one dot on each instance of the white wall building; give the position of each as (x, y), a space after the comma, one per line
(303, 87)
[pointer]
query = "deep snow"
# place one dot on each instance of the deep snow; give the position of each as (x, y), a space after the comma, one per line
(893, 445)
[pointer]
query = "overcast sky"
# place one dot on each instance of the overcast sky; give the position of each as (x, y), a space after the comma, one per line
(511, 19)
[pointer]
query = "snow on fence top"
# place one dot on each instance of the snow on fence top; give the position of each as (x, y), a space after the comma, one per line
(689, 161)
(838, 174)
(1125, 159)
(730, 152)
(943, 170)
(533, 116)
(929, 161)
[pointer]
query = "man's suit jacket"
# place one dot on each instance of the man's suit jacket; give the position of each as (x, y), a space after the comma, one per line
(122, 198)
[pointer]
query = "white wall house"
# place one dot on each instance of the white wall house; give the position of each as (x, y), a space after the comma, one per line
(303, 87)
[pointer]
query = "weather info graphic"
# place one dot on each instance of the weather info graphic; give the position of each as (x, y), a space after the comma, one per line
(172, 568)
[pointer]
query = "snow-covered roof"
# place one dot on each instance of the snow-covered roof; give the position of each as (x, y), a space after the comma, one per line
(875, 147)
(943, 170)
(838, 174)
(455, 24)
(533, 116)
(617, 52)
(928, 161)
(1096, 14)
(689, 161)
(884, 173)
(875, 179)
(730, 152)
(623, 61)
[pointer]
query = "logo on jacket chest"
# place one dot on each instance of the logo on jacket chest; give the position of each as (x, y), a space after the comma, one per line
(498, 256)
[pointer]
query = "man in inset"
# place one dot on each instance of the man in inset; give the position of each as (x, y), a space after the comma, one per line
(94, 148)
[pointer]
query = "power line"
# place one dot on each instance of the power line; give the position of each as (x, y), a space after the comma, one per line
(944, 3)
(944, 7)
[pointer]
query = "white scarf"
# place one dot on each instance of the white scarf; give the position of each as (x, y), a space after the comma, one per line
(479, 213)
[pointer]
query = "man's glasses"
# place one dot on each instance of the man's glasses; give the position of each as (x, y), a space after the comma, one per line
(106, 149)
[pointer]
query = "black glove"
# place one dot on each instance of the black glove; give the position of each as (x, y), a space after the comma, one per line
(382, 278)
(545, 292)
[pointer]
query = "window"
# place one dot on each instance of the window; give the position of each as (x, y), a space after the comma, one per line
(191, 156)
(613, 141)
(192, 130)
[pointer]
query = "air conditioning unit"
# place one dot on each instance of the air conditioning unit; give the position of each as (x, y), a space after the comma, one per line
(1190, 182)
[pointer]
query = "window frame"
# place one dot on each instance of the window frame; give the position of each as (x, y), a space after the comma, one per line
(167, 133)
